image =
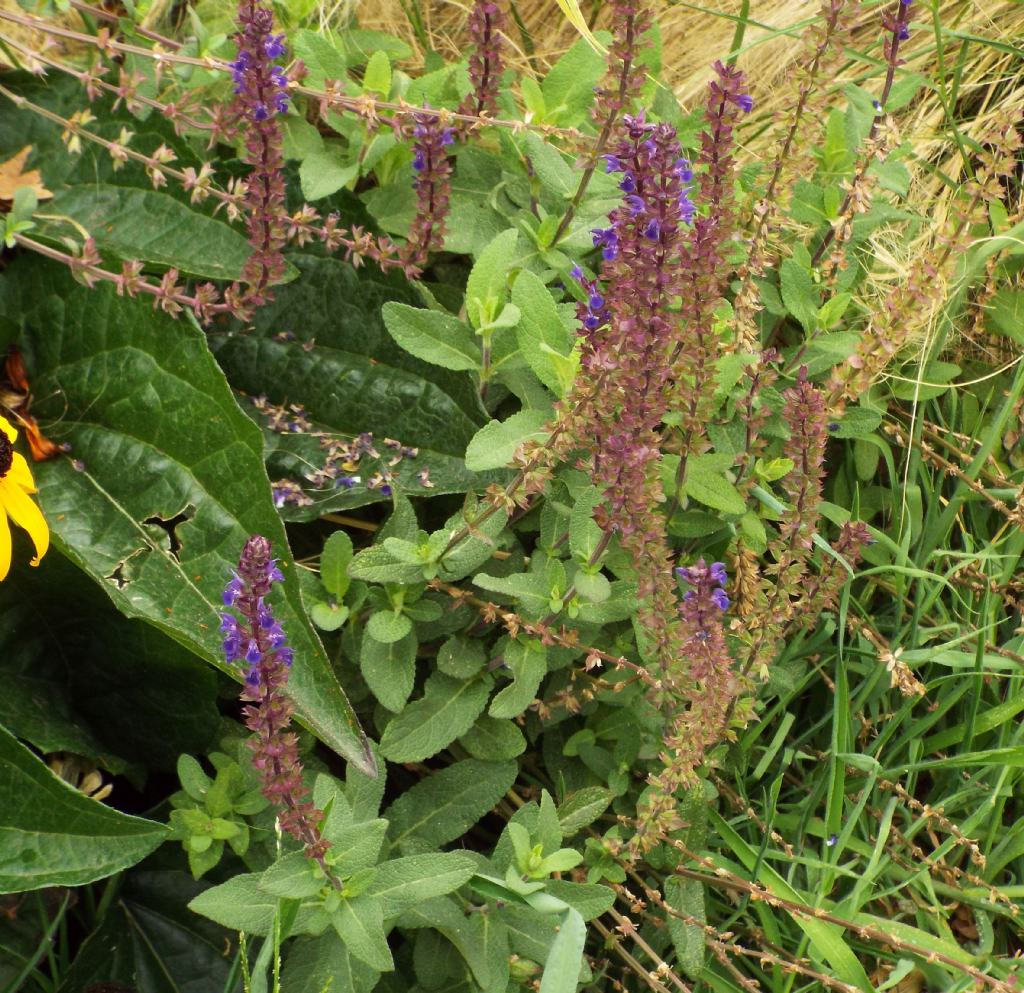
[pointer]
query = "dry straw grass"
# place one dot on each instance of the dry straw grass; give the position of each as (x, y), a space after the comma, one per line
(989, 69)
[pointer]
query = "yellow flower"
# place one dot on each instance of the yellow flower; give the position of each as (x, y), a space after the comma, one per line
(15, 486)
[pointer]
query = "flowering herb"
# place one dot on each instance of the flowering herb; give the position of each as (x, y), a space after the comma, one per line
(260, 87)
(433, 172)
(253, 636)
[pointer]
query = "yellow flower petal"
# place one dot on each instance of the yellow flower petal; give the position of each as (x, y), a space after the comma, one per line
(5, 426)
(5, 547)
(26, 515)
(20, 474)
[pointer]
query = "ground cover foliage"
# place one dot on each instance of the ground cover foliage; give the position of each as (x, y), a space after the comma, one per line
(612, 531)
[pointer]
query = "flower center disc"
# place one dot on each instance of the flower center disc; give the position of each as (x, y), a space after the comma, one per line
(6, 455)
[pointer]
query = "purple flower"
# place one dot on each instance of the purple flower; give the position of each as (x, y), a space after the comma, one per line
(653, 230)
(273, 45)
(903, 33)
(635, 204)
(419, 160)
(718, 573)
(607, 240)
(612, 164)
(719, 599)
(745, 102)
(683, 170)
(232, 592)
(628, 184)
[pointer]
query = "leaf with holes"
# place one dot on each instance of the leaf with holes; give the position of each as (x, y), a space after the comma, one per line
(171, 481)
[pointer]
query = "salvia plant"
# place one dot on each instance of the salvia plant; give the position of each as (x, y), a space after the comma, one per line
(511, 530)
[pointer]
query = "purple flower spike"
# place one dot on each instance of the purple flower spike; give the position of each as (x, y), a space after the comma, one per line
(268, 711)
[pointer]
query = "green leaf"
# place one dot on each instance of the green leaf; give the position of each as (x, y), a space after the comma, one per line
(583, 808)
(433, 336)
(495, 444)
(584, 533)
(293, 877)
(238, 904)
(52, 835)
(360, 43)
(377, 565)
(446, 710)
(568, 87)
(193, 780)
(799, 293)
(163, 438)
(528, 661)
(388, 626)
(550, 168)
(485, 288)
(444, 806)
(334, 561)
(1005, 314)
(389, 669)
(352, 377)
(154, 227)
(858, 422)
(357, 846)
(403, 883)
(493, 740)
(461, 657)
(322, 173)
(529, 588)
(590, 899)
(324, 962)
(706, 484)
(687, 897)
(565, 957)
(148, 931)
(377, 76)
(360, 924)
(323, 60)
(542, 336)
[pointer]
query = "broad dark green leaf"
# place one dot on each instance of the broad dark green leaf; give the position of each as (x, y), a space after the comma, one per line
(171, 481)
(322, 343)
(154, 228)
(151, 942)
(52, 835)
(79, 677)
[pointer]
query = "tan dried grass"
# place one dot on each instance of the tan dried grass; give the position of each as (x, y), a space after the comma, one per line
(694, 36)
